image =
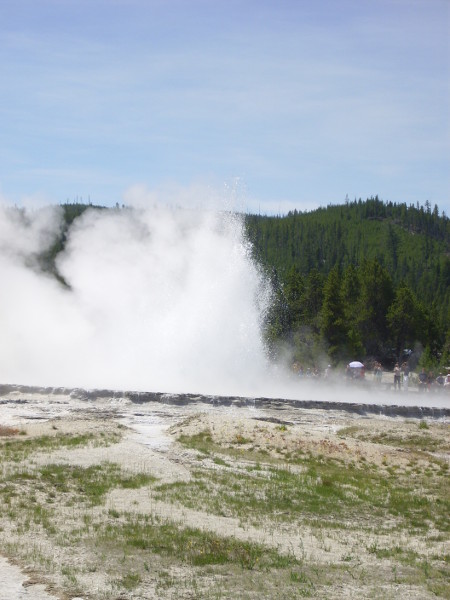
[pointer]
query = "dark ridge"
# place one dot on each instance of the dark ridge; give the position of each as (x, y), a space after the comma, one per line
(280, 404)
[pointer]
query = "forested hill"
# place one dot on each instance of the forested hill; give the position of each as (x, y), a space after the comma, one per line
(363, 279)
(411, 242)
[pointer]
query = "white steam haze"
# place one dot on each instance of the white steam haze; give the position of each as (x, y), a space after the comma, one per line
(158, 299)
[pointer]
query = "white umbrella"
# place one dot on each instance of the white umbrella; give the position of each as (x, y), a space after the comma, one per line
(355, 364)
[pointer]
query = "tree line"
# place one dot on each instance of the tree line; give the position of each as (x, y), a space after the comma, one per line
(367, 280)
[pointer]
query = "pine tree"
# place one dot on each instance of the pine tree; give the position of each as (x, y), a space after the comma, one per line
(333, 324)
(405, 320)
(374, 302)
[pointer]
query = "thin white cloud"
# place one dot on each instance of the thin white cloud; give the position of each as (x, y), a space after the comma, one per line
(184, 99)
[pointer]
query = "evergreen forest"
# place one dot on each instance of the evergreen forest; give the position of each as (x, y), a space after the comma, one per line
(365, 280)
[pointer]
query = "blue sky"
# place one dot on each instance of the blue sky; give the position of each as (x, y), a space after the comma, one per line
(278, 104)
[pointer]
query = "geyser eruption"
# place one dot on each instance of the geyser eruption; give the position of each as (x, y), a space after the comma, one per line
(158, 300)
(161, 300)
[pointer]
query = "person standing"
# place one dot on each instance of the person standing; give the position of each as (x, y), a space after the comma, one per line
(397, 376)
(378, 372)
(423, 380)
(405, 369)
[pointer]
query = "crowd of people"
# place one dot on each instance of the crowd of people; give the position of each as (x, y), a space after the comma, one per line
(424, 381)
(428, 382)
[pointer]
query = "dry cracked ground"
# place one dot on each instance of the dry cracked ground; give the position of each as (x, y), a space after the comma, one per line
(239, 504)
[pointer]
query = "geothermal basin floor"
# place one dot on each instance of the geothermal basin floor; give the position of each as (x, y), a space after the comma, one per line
(194, 450)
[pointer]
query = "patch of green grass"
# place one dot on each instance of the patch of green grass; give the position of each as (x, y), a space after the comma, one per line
(90, 484)
(16, 450)
(436, 578)
(199, 441)
(240, 439)
(419, 442)
(323, 487)
(72, 484)
(129, 581)
(203, 442)
(425, 441)
(348, 431)
(70, 575)
(282, 427)
(275, 493)
(190, 545)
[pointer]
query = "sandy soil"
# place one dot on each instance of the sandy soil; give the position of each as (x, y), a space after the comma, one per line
(151, 447)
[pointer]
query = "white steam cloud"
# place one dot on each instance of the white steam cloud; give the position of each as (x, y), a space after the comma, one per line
(158, 300)
(162, 300)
